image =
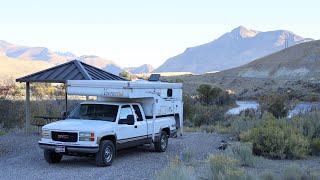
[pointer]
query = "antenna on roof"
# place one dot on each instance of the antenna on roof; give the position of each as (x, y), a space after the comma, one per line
(154, 77)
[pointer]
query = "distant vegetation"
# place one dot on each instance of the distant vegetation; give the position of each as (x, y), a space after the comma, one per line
(46, 99)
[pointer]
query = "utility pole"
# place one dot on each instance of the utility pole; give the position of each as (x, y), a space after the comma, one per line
(286, 40)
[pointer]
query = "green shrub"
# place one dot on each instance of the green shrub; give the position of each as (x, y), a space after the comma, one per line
(276, 139)
(12, 113)
(269, 176)
(294, 172)
(308, 124)
(188, 106)
(223, 167)
(206, 115)
(2, 130)
(191, 129)
(243, 153)
(175, 171)
(315, 146)
(215, 129)
(186, 156)
(242, 123)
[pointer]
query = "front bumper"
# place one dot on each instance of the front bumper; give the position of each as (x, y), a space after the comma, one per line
(71, 149)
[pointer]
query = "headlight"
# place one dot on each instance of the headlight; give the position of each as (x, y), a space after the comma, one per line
(45, 134)
(86, 136)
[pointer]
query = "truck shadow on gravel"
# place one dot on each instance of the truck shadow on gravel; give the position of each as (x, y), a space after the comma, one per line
(133, 153)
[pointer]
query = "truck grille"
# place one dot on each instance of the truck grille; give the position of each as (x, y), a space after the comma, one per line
(64, 136)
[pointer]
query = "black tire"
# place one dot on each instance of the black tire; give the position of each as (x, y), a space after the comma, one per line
(52, 157)
(161, 145)
(104, 157)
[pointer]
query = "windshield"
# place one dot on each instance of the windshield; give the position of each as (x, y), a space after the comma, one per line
(95, 112)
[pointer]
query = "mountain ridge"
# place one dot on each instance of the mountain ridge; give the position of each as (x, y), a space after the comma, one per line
(54, 57)
(230, 50)
(143, 69)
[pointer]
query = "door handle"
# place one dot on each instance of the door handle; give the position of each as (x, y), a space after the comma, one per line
(135, 126)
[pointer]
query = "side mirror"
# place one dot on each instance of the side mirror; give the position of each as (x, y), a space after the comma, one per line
(130, 120)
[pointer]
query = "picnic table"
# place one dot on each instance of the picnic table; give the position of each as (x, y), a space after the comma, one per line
(47, 120)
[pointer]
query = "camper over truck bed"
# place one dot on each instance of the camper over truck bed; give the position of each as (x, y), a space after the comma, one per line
(125, 114)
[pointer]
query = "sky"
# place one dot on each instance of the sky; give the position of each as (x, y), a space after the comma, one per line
(136, 32)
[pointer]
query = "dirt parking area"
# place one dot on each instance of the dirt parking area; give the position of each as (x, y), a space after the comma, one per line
(21, 158)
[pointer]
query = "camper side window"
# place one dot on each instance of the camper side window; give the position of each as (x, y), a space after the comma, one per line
(169, 93)
(137, 112)
(125, 111)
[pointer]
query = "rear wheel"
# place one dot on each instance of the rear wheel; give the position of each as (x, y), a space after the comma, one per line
(52, 157)
(161, 145)
(105, 155)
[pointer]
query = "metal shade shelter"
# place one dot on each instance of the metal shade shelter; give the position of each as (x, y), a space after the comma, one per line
(72, 70)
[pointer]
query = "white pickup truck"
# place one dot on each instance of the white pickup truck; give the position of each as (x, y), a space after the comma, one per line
(100, 128)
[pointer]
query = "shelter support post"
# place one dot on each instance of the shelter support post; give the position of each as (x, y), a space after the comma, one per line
(66, 98)
(28, 113)
(153, 119)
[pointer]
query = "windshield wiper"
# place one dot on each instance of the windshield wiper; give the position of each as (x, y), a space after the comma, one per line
(74, 117)
(95, 118)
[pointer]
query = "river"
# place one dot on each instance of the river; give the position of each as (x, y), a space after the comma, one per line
(299, 108)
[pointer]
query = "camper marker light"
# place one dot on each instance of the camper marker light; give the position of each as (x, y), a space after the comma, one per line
(86, 136)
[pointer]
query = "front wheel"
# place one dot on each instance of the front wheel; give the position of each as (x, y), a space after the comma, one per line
(105, 155)
(161, 145)
(52, 157)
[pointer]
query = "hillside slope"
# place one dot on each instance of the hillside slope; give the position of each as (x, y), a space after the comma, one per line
(15, 68)
(301, 61)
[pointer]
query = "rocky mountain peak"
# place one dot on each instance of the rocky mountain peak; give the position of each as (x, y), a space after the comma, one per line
(243, 32)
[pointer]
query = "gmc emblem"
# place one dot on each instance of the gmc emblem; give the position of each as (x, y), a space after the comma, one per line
(63, 136)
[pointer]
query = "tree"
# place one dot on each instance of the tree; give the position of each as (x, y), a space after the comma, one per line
(208, 94)
(276, 105)
(7, 86)
(125, 74)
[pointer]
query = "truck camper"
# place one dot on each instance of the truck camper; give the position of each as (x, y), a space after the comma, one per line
(126, 114)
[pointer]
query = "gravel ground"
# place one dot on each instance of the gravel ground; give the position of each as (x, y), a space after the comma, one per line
(21, 158)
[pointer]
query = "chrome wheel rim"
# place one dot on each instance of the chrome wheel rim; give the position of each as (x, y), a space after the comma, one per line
(163, 142)
(108, 154)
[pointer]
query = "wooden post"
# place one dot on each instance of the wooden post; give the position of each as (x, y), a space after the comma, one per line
(28, 114)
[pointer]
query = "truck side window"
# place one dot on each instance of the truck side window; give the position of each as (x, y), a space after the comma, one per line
(137, 112)
(125, 111)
